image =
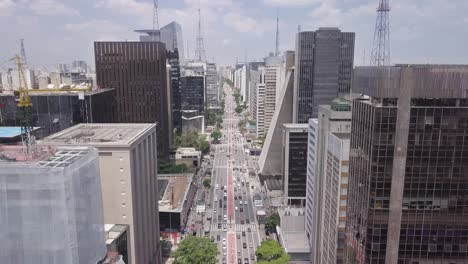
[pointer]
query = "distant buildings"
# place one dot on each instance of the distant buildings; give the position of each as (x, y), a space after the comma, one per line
(51, 206)
(323, 69)
(407, 176)
(327, 178)
(10, 79)
(258, 109)
(137, 71)
(128, 169)
(212, 87)
(192, 120)
(55, 111)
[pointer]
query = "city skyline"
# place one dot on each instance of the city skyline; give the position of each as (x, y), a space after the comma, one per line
(230, 24)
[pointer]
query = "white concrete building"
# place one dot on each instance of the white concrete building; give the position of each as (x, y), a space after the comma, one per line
(188, 156)
(258, 109)
(327, 163)
(128, 170)
(11, 82)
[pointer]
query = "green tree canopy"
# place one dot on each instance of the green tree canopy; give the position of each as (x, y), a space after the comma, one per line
(271, 252)
(192, 139)
(271, 222)
(196, 250)
(207, 182)
(216, 134)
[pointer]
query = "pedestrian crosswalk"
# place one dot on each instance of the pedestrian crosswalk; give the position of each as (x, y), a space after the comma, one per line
(237, 227)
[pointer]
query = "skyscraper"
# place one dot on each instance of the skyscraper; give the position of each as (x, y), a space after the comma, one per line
(192, 93)
(128, 170)
(408, 179)
(323, 69)
(212, 89)
(137, 72)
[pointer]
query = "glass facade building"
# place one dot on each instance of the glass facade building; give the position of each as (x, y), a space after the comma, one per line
(323, 70)
(137, 72)
(192, 95)
(408, 182)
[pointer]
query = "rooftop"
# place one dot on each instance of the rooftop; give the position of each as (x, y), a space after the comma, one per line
(11, 132)
(41, 156)
(58, 92)
(99, 134)
(296, 126)
(173, 191)
(342, 135)
(274, 184)
(294, 242)
(113, 232)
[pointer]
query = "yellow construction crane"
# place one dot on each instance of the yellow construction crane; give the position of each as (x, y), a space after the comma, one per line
(24, 108)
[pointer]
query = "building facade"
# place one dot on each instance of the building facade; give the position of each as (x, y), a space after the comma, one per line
(51, 206)
(294, 162)
(174, 72)
(259, 109)
(128, 169)
(137, 72)
(192, 93)
(55, 111)
(212, 86)
(323, 69)
(334, 121)
(408, 179)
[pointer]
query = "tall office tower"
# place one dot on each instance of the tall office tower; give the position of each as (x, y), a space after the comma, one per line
(174, 73)
(212, 88)
(137, 72)
(327, 178)
(128, 169)
(257, 76)
(259, 109)
(192, 93)
(323, 70)
(294, 164)
(408, 182)
(51, 208)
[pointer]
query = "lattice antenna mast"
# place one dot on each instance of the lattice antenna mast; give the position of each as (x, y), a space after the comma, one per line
(381, 47)
(200, 53)
(23, 53)
(155, 20)
(277, 35)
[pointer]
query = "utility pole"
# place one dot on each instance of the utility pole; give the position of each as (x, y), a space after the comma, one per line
(381, 46)
(23, 53)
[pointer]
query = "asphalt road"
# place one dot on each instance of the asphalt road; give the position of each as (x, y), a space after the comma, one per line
(231, 218)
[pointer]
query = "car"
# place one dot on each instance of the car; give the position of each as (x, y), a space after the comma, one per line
(240, 202)
(245, 202)
(249, 230)
(238, 236)
(252, 257)
(218, 238)
(225, 198)
(224, 241)
(214, 210)
(239, 261)
(241, 209)
(225, 229)
(235, 197)
(225, 217)
(244, 245)
(224, 253)
(219, 226)
(247, 221)
(246, 261)
(243, 233)
(240, 197)
(251, 245)
(224, 206)
(237, 208)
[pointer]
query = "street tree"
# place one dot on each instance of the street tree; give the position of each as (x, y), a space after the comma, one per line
(272, 222)
(216, 134)
(207, 183)
(271, 252)
(196, 250)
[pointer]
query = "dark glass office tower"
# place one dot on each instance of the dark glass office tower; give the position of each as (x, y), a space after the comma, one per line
(173, 60)
(323, 70)
(408, 175)
(192, 95)
(137, 72)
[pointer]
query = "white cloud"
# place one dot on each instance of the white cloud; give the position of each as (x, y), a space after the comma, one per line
(6, 7)
(97, 29)
(290, 2)
(245, 24)
(51, 8)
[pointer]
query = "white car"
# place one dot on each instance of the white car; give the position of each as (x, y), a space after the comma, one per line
(237, 208)
(240, 202)
(245, 202)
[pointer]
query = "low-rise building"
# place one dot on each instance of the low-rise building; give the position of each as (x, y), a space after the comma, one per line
(188, 156)
(177, 192)
(292, 235)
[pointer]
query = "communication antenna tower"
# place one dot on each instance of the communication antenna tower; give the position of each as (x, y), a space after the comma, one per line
(277, 35)
(381, 47)
(23, 53)
(155, 19)
(200, 53)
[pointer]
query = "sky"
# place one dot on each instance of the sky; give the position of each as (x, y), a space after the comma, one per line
(60, 31)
